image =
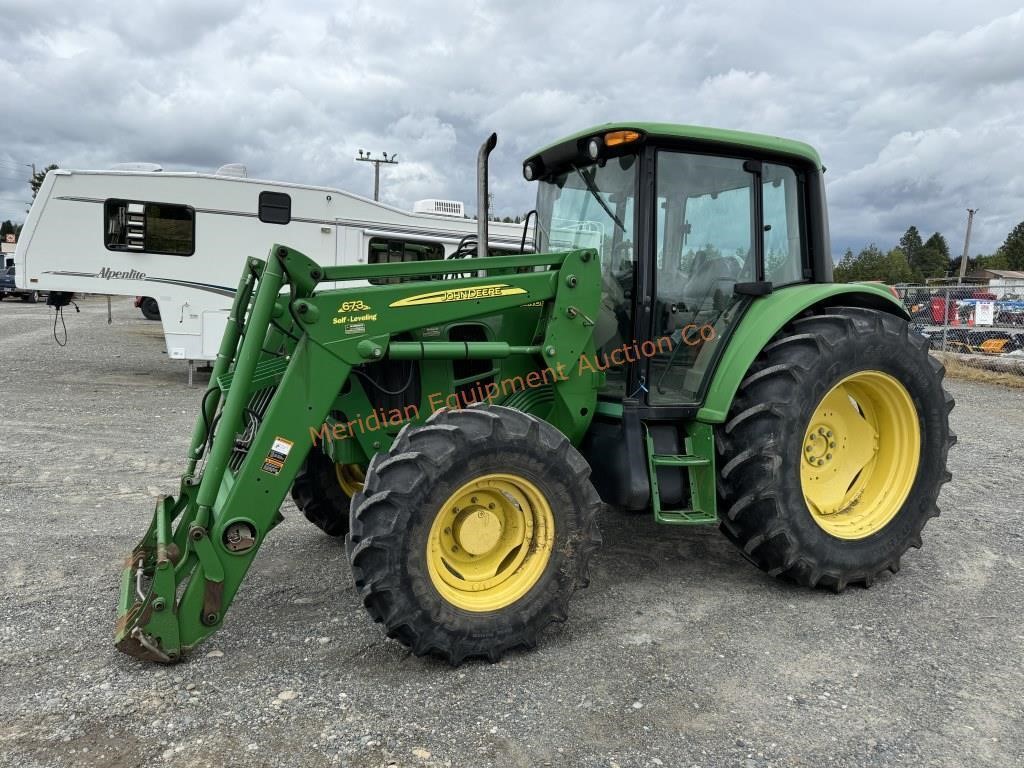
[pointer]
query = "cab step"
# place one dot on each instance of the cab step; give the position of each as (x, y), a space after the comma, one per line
(700, 468)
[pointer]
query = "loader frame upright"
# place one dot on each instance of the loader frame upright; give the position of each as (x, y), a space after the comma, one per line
(282, 366)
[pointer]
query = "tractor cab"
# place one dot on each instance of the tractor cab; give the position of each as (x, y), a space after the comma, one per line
(690, 224)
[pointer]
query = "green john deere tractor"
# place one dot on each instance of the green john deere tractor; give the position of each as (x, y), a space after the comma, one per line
(673, 343)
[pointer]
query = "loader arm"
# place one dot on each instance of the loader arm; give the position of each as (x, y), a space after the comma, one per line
(285, 358)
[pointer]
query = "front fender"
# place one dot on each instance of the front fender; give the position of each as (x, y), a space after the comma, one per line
(766, 316)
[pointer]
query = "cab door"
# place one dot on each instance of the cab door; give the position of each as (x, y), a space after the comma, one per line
(726, 228)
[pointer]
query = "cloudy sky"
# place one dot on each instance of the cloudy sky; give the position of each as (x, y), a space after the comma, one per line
(916, 107)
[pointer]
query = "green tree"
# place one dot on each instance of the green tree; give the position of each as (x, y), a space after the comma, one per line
(7, 228)
(873, 264)
(979, 261)
(895, 268)
(997, 260)
(37, 178)
(843, 272)
(910, 243)
(857, 267)
(1013, 248)
(932, 260)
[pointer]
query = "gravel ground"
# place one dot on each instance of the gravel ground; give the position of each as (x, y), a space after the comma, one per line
(679, 653)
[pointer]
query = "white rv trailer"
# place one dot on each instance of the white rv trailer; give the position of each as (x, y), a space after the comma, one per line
(182, 238)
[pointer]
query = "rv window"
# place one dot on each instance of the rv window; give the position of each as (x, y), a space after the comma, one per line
(132, 225)
(275, 207)
(388, 251)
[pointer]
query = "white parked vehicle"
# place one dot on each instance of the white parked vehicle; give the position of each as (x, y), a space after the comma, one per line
(181, 238)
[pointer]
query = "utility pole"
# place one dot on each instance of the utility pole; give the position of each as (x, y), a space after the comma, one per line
(377, 163)
(31, 181)
(967, 243)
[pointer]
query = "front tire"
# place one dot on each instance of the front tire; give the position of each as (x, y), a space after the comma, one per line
(472, 532)
(322, 491)
(835, 449)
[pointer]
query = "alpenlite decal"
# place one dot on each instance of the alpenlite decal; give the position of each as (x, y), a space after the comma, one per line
(459, 294)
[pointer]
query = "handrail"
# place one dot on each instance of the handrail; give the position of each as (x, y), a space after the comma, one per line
(446, 267)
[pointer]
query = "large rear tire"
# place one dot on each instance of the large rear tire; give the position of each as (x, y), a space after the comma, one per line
(835, 449)
(472, 532)
(322, 491)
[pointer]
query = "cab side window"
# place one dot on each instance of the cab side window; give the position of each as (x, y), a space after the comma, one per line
(784, 256)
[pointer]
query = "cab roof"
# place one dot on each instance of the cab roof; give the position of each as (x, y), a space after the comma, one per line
(720, 137)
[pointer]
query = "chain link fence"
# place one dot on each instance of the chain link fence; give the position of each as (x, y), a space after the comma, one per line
(976, 320)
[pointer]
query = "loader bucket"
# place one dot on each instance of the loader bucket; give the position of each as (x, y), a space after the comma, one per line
(148, 592)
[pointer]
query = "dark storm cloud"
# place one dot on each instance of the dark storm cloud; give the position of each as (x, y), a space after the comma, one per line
(914, 107)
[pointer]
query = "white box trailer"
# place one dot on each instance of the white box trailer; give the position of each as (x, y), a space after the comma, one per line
(182, 238)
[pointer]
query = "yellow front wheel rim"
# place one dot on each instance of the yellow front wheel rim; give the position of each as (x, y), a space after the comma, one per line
(490, 542)
(350, 478)
(860, 455)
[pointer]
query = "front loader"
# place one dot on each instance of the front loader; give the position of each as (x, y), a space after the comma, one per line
(675, 345)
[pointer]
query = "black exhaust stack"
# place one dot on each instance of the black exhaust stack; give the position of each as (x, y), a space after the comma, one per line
(481, 195)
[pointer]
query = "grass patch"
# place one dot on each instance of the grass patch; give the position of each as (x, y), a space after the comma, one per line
(971, 368)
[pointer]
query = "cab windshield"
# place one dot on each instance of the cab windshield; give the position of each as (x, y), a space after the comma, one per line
(589, 206)
(592, 206)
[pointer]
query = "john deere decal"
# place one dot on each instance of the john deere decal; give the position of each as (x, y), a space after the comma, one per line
(459, 294)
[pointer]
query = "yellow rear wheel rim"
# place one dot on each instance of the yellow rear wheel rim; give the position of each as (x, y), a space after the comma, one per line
(860, 455)
(350, 478)
(490, 542)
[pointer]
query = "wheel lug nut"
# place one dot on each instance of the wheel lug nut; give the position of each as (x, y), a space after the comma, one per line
(832, 444)
(491, 505)
(472, 500)
(821, 430)
(828, 457)
(448, 531)
(828, 433)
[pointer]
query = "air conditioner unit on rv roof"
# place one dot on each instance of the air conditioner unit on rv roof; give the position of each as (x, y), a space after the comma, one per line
(143, 167)
(440, 207)
(233, 169)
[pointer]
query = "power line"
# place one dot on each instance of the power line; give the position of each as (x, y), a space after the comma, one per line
(377, 163)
